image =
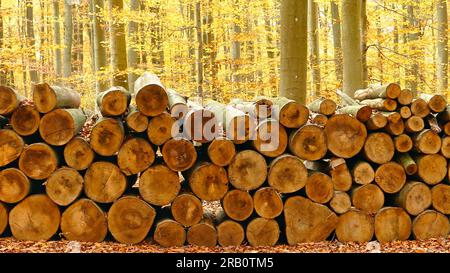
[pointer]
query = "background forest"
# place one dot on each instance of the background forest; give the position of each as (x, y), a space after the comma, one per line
(223, 49)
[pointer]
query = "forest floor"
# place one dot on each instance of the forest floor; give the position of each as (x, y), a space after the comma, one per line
(10, 245)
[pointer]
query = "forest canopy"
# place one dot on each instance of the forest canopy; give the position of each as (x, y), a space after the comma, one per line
(218, 49)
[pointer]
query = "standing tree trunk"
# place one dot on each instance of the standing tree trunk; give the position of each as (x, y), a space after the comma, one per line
(57, 39)
(133, 58)
(294, 49)
(68, 29)
(31, 42)
(351, 41)
(236, 76)
(413, 73)
(337, 42)
(442, 46)
(2, 69)
(313, 38)
(364, 42)
(118, 46)
(199, 53)
(99, 49)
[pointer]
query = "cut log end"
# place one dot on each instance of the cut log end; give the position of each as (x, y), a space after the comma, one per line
(104, 182)
(287, 174)
(419, 107)
(262, 232)
(46, 97)
(202, 234)
(107, 136)
(271, 138)
(84, 221)
(268, 203)
(345, 135)
(38, 161)
(230, 233)
(130, 219)
(157, 191)
(59, 126)
(64, 186)
(14, 185)
(392, 224)
(208, 181)
(151, 100)
(221, 151)
(136, 121)
(319, 188)
(415, 197)
(3, 218)
(379, 148)
(169, 233)
(160, 128)
(403, 143)
(390, 177)
(25, 120)
(363, 173)
(368, 198)
(428, 142)
(36, 218)
(440, 195)
(238, 205)
(113, 102)
(293, 115)
(355, 226)
(341, 202)
(406, 97)
(8, 100)
(187, 209)
(431, 168)
(309, 142)
(248, 170)
(135, 156)
(78, 154)
(430, 224)
(11, 146)
(179, 154)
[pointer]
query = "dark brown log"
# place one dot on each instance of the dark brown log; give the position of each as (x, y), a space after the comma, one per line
(47, 98)
(9, 100)
(419, 107)
(341, 202)
(287, 174)
(169, 233)
(14, 185)
(355, 226)
(319, 119)
(431, 168)
(177, 104)
(290, 113)
(268, 203)
(271, 138)
(160, 128)
(430, 224)
(104, 182)
(130, 219)
(158, 191)
(368, 198)
(187, 209)
(113, 102)
(64, 186)
(199, 124)
(307, 221)
(403, 143)
(445, 147)
(414, 124)
(208, 181)
(379, 148)
(59, 126)
(440, 195)
(150, 95)
(406, 97)
(392, 224)
(407, 162)
(136, 121)
(202, 234)
(238, 205)
(230, 233)
(323, 106)
(3, 218)
(415, 197)
(308, 142)
(179, 154)
(405, 112)
(390, 177)
(248, 170)
(381, 104)
(376, 121)
(11, 146)
(25, 120)
(427, 142)
(135, 156)
(390, 90)
(38, 161)
(36, 218)
(340, 174)
(319, 188)
(84, 221)
(262, 232)
(107, 136)
(363, 173)
(360, 112)
(221, 151)
(436, 103)
(78, 154)
(345, 135)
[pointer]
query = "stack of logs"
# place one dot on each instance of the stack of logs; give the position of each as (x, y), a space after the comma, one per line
(374, 166)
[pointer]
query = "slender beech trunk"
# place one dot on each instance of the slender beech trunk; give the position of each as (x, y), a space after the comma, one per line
(57, 39)
(351, 43)
(118, 47)
(442, 46)
(99, 49)
(2, 69)
(133, 58)
(313, 39)
(337, 42)
(199, 53)
(34, 77)
(68, 31)
(364, 42)
(294, 44)
(413, 37)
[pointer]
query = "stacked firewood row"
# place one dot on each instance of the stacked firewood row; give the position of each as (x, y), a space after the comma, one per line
(373, 167)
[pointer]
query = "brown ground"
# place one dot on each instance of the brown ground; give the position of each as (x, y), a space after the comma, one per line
(10, 245)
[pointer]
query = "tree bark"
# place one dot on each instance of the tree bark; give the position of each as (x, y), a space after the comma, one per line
(337, 42)
(99, 48)
(68, 30)
(314, 49)
(133, 42)
(442, 46)
(34, 77)
(118, 46)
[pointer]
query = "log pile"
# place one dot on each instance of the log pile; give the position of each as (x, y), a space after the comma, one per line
(374, 167)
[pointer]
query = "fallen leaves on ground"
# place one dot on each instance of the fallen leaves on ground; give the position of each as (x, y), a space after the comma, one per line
(11, 245)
